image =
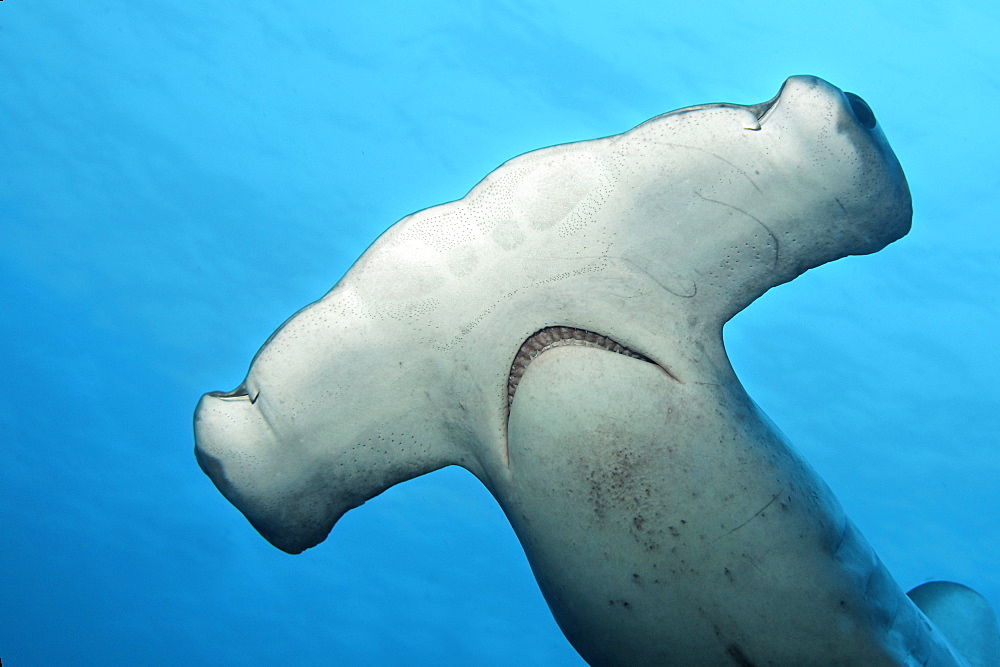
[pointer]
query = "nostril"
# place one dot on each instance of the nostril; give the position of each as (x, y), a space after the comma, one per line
(861, 110)
(239, 392)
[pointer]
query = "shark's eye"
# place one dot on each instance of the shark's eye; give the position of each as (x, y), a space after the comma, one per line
(862, 111)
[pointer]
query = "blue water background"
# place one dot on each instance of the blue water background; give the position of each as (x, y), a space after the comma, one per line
(176, 178)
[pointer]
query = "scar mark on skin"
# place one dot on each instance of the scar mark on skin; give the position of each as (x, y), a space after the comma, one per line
(755, 515)
(753, 563)
(682, 295)
(777, 245)
(718, 157)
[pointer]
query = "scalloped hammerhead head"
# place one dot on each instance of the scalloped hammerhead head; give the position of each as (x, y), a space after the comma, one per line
(558, 333)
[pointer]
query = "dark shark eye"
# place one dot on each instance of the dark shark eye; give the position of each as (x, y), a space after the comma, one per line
(861, 110)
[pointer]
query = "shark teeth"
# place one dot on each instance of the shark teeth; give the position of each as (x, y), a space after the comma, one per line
(551, 337)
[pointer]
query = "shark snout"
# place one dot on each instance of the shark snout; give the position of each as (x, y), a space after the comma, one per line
(251, 467)
(216, 428)
(806, 88)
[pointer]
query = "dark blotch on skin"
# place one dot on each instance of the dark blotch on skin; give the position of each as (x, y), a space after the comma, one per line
(212, 467)
(736, 653)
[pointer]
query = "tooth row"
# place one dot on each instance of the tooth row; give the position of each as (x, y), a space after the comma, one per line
(556, 337)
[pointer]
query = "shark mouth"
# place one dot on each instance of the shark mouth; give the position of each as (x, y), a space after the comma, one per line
(551, 337)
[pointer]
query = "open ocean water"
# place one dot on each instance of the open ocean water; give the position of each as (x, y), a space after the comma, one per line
(178, 178)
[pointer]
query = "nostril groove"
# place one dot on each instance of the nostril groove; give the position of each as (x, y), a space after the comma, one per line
(861, 110)
(239, 392)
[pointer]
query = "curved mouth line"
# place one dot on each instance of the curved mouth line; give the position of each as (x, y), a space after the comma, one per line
(551, 337)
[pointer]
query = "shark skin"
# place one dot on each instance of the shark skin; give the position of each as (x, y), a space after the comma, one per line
(558, 333)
